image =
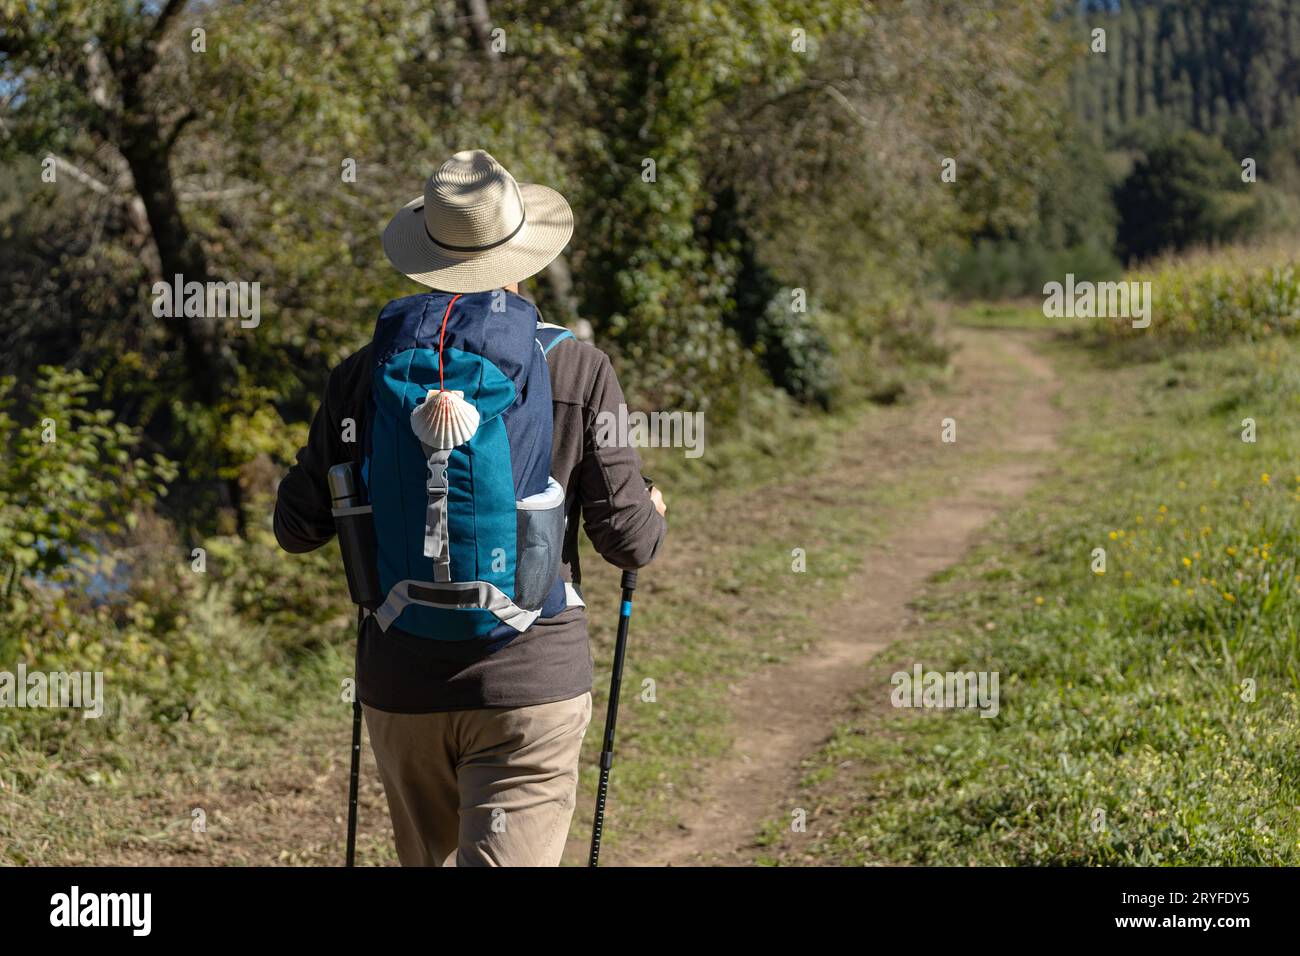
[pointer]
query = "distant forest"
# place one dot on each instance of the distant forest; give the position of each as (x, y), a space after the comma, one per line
(1227, 68)
(1182, 128)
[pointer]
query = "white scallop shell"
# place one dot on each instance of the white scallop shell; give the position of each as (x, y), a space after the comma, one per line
(444, 419)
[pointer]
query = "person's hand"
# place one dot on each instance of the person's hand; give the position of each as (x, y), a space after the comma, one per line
(657, 499)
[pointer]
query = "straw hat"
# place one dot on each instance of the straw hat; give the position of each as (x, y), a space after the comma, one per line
(476, 229)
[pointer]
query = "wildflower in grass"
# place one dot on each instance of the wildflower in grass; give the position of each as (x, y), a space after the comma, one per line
(1231, 550)
(1177, 583)
(1163, 510)
(1187, 562)
(1039, 600)
(1113, 535)
(1263, 479)
(1229, 598)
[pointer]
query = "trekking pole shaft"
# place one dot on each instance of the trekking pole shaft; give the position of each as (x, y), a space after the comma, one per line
(353, 782)
(611, 715)
(355, 777)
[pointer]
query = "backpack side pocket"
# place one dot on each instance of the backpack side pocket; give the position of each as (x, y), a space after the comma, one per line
(540, 525)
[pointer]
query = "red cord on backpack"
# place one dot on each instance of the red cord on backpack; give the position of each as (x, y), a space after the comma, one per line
(441, 335)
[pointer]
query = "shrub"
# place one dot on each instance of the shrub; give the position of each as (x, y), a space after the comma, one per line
(795, 352)
(70, 478)
(1186, 189)
(1010, 268)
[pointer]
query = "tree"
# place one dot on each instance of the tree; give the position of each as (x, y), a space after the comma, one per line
(1186, 189)
(86, 76)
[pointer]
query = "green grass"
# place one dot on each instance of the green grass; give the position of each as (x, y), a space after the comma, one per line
(1027, 314)
(1126, 733)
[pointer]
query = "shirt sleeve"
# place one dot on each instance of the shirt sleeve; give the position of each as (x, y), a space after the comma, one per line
(618, 515)
(303, 521)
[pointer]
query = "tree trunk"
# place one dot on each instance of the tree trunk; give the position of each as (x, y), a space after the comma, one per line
(208, 361)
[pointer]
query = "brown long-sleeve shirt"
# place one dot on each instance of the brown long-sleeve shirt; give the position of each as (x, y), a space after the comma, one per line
(552, 659)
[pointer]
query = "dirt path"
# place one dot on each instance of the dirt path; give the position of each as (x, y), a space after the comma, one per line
(1001, 402)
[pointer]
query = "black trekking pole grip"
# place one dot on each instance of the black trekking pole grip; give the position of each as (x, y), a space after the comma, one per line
(611, 715)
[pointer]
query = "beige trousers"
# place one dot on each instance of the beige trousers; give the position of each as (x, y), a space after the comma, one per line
(494, 787)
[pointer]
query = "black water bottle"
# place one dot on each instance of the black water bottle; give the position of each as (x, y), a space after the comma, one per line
(355, 524)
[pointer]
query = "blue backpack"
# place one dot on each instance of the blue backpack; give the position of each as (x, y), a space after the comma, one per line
(468, 521)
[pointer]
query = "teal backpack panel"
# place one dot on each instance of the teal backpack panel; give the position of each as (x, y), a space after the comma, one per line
(481, 494)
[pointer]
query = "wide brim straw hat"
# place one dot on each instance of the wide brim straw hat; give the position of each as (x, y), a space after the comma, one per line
(476, 228)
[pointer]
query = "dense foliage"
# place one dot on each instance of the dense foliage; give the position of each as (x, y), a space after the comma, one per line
(1249, 292)
(714, 154)
(758, 193)
(1184, 190)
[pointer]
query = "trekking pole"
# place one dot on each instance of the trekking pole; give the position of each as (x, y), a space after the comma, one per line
(611, 714)
(355, 778)
(354, 524)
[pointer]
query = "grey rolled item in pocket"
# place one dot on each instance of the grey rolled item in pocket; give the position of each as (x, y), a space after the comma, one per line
(540, 538)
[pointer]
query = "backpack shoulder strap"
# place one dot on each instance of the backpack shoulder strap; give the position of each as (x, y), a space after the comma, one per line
(550, 335)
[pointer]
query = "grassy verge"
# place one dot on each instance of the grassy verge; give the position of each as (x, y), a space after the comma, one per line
(1148, 714)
